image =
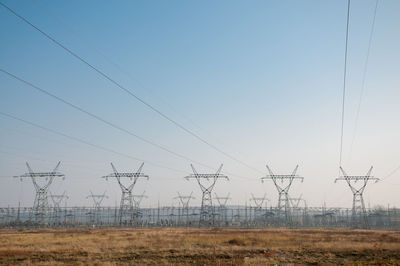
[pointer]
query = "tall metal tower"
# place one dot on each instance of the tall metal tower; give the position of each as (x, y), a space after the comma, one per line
(258, 201)
(184, 201)
(57, 200)
(358, 214)
(127, 203)
(207, 211)
(41, 203)
(283, 184)
(97, 200)
(222, 210)
(137, 199)
(295, 202)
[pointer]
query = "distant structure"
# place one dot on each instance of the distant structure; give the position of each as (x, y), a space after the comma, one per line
(295, 202)
(258, 205)
(137, 199)
(222, 209)
(57, 200)
(41, 203)
(184, 201)
(358, 214)
(258, 201)
(126, 209)
(283, 184)
(207, 210)
(97, 200)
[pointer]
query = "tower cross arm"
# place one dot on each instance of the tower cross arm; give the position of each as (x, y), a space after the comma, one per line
(206, 176)
(357, 178)
(282, 177)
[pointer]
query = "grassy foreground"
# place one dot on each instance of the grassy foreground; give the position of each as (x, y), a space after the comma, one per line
(199, 246)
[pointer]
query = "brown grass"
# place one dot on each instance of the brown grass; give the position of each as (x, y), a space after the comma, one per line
(169, 246)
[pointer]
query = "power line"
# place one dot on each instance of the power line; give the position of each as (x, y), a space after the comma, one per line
(364, 77)
(98, 117)
(105, 121)
(128, 91)
(84, 39)
(85, 142)
(344, 82)
(391, 173)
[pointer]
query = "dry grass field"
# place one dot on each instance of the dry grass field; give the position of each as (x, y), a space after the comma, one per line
(168, 246)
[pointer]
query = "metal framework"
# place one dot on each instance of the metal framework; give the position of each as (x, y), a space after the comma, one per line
(222, 210)
(283, 184)
(57, 200)
(126, 208)
(295, 202)
(184, 200)
(137, 199)
(258, 201)
(97, 200)
(207, 210)
(358, 214)
(41, 203)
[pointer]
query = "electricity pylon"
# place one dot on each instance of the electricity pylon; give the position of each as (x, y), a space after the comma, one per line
(41, 203)
(137, 199)
(283, 189)
(184, 200)
(127, 204)
(97, 200)
(207, 211)
(222, 201)
(295, 202)
(358, 214)
(57, 200)
(258, 201)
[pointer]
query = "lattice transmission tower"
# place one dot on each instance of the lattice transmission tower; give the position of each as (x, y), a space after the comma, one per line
(97, 200)
(358, 213)
(41, 202)
(137, 199)
(258, 205)
(295, 202)
(184, 201)
(222, 209)
(57, 200)
(283, 184)
(126, 208)
(207, 210)
(258, 201)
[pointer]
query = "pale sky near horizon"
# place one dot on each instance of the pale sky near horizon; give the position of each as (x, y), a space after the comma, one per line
(261, 80)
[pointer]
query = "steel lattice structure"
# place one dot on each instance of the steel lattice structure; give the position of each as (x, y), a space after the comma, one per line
(57, 199)
(126, 209)
(258, 201)
(97, 200)
(137, 199)
(222, 210)
(283, 189)
(41, 203)
(359, 216)
(295, 202)
(207, 210)
(184, 201)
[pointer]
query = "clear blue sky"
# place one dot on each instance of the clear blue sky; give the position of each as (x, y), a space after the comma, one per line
(262, 80)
